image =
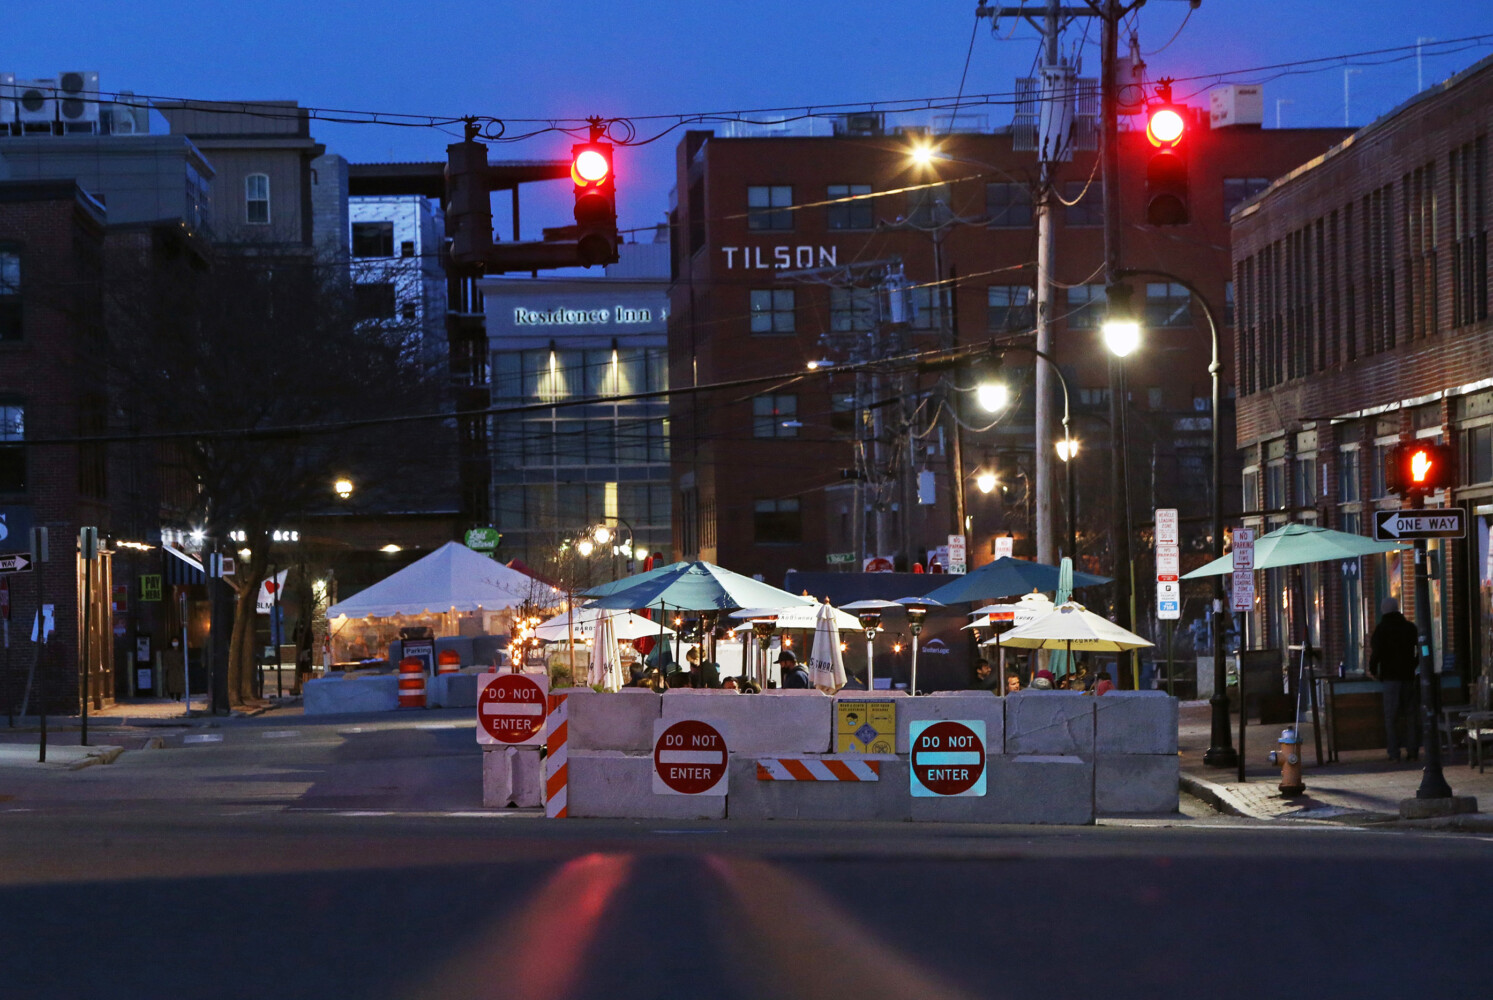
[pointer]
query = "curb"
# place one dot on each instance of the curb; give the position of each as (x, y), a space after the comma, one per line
(1217, 796)
(104, 755)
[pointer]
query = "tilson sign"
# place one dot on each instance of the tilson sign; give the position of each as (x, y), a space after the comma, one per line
(563, 316)
(779, 258)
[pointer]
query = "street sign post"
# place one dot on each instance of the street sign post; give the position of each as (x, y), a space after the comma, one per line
(689, 758)
(1243, 596)
(511, 709)
(1168, 582)
(1166, 527)
(947, 758)
(1429, 522)
(15, 562)
(958, 556)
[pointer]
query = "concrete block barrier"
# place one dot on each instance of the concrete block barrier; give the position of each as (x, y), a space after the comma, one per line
(750, 798)
(1138, 722)
(621, 720)
(963, 705)
(767, 723)
(1049, 722)
(1038, 789)
(1135, 783)
(452, 691)
(510, 777)
(608, 783)
(342, 695)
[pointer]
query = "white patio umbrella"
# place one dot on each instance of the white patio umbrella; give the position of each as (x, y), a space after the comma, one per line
(804, 617)
(581, 622)
(826, 665)
(606, 661)
(1072, 626)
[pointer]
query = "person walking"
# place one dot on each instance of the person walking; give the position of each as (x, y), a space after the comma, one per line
(1392, 662)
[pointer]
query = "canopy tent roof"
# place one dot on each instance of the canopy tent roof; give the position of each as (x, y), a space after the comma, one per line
(452, 578)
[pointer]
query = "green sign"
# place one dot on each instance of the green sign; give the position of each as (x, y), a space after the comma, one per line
(840, 557)
(483, 539)
(150, 587)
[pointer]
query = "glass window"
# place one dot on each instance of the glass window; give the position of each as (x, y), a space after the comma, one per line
(1304, 482)
(772, 310)
(1153, 397)
(12, 452)
(374, 239)
(927, 307)
(658, 441)
(1251, 490)
(1348, 490)
(851, 309)
(1477, 457)
(1010, 308)
(1085, 307)
(767, 207)
(929, 206)
(10, 294)
(1008, 205)
(1378, 485)
(775, 415)
(1093, 397)
(777, 522)
(1275, 486)
(1083, 203)
(374, 300)
(257, 199)
(1228, 303)
(1167, 304)
(1238, 190)
(850, 214)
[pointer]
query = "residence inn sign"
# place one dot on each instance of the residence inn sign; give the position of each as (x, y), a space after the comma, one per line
(561, 316)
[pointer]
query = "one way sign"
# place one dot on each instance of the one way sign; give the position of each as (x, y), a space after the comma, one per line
(1435, 522)
(15, 562)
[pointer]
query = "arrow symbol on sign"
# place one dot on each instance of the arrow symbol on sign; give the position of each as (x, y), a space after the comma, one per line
(1393, 526)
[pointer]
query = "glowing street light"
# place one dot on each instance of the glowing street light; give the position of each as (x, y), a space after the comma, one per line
(992, 396)
(343, 487)
(584, 546)
(985, 480)
(1121, 336)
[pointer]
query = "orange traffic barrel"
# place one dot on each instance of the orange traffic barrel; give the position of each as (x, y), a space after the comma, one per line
(411, 682)
(448, 661)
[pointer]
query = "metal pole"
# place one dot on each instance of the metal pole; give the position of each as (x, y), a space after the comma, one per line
(186, 656)
(1432, 783)
(275, 635)
(914, 685)
(1046, 247)
(870, 663)
(83, 678)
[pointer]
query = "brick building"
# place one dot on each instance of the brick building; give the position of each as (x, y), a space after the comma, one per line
(1362, 284)
(773, 269)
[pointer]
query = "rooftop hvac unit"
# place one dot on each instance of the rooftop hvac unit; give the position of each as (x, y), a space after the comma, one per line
(7, 98)
(869, 124)
(36, 102)
(77, 102)
(127, 117)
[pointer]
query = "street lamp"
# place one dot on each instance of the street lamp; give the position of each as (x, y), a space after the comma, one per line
(1221, 752)
(1121, 336)
(584, 546)
(343, 487)
(985, 479)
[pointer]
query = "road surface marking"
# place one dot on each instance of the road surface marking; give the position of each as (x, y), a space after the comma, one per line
(279, 734)
(203, 738)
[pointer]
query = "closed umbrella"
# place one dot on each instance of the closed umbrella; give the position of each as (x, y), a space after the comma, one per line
(606, 660)
(1060, 662)
(826, 665)
(1006, 577)
(1297, 545)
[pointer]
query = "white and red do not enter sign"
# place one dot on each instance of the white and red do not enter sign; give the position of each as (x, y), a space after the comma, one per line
(689, 758)
(511, 708)
(947, 758)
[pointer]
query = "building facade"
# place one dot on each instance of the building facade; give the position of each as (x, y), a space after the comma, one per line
(558, 470)
(1363, 322)
(394, 245)
(790, 250)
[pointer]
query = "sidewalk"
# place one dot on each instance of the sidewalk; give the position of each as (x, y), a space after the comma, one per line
(1363, 787)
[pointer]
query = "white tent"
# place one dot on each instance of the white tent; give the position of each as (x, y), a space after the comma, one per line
(452, 578)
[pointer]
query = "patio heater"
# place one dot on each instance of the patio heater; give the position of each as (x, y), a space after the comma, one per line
(763, 629)
(917, 609)
(870, 621)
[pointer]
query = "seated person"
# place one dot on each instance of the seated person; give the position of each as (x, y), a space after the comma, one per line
(1013, 682)
(702, 675)
(986, 679)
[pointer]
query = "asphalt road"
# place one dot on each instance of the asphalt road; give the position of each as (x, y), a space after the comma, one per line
(353, 860)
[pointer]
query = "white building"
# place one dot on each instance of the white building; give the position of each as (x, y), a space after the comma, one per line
(395, 243)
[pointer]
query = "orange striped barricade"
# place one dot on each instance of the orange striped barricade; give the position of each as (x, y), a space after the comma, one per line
(822, 767)
(556, 759)
(448, 661)
(412, 682)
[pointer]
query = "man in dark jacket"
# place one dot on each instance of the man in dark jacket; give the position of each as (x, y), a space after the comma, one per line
(1393, 659)
(794, 676)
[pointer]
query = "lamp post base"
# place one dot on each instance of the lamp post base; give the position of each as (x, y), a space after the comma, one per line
(1220, 752)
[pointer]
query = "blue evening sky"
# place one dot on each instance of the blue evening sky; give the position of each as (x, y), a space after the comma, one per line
(538, 59)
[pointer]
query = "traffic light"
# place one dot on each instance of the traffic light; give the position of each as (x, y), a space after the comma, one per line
(1421, 467)
(595, 202)
(468, 201)
(1166, 172)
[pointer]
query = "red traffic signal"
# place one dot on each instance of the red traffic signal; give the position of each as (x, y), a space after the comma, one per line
(1166, 172)
(595, 202)
(1165, 125)
(1421, 467)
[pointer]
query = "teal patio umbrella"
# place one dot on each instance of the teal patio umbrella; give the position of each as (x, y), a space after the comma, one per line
(603, 589)
(1297, 545)
(699, 586)
(1007, 577)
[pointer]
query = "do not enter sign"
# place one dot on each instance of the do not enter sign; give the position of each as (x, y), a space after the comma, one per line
(511, 708)
(689, 758)
(947, 758)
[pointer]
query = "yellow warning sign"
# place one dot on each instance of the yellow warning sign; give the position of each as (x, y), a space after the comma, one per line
(865, 726)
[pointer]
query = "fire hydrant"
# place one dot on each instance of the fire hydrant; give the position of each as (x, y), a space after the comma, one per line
(1288, 759)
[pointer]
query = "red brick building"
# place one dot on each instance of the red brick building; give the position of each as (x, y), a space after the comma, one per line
(773, 268)
(1363, 304)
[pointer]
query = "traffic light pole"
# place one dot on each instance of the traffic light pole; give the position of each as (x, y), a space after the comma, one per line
(1433, 782)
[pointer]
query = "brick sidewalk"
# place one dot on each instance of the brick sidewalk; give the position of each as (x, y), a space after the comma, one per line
(1362, 785)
